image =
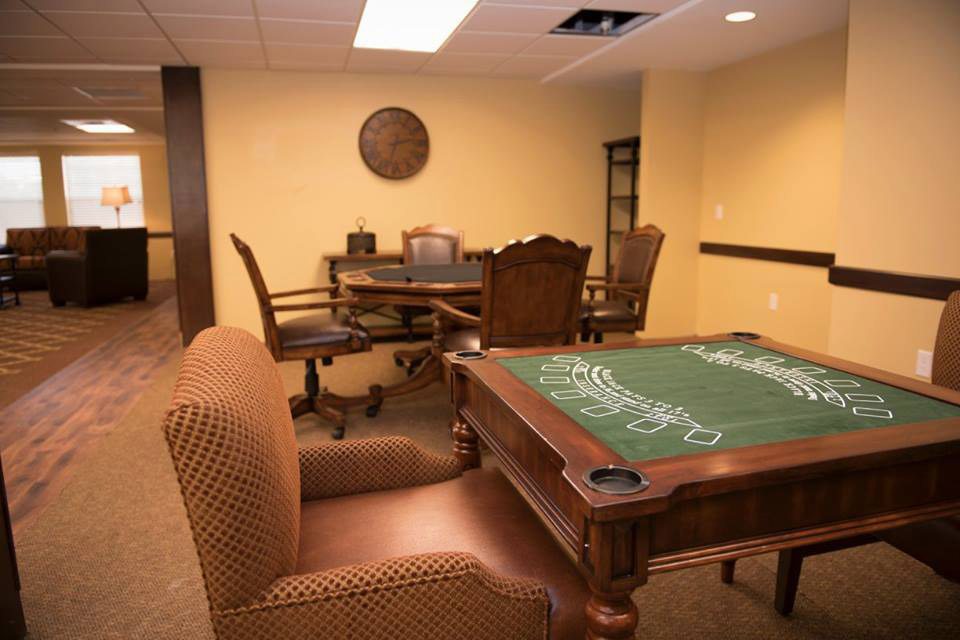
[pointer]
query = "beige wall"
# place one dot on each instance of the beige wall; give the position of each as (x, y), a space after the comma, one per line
(900, 204)
(507, 158)
(156, 193)
(671, 153)
(772, 158)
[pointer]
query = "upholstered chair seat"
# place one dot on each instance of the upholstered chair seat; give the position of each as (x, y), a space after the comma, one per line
(364, 539)
(317, 330)
(605, 313)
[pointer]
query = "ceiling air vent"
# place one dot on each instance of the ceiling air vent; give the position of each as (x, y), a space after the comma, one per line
(109, 93)
(597, 22)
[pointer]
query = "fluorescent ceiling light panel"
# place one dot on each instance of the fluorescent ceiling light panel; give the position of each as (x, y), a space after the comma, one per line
(740, 16)
(99, 126)
(410, 25)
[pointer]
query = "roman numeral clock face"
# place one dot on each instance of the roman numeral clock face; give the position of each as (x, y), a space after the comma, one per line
(394, 143)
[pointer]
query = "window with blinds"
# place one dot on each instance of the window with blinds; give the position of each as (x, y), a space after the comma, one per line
(83, 180)
(21, 193)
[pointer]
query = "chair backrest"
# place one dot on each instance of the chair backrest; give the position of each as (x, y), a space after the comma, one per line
(531, 292)
(231, 438)
(267, 317)
(638, 255)
(432, 244)
(946, 351)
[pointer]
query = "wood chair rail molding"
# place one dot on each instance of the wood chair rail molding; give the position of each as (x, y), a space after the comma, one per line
(792, 256)
(908, 284)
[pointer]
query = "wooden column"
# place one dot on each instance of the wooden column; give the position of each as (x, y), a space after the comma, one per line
(183, 112)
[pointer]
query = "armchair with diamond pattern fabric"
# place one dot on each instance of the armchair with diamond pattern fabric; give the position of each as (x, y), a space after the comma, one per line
(356, 539)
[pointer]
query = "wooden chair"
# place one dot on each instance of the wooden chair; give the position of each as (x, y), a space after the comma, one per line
(624, 307)
(429, 244)
(935, 543)
(531, 296)
(307, 338)
(372, 538)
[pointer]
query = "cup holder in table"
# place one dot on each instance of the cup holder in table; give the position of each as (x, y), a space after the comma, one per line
(615, 480)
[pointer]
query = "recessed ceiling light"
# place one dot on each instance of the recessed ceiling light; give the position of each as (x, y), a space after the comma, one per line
(740, 16)
(99, 126)
(411, 25)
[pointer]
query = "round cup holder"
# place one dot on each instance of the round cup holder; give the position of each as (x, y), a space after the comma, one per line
(745, 335)
(615, 480)
(469, 355)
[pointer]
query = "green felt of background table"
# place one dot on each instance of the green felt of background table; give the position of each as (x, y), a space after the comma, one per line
(698, 392)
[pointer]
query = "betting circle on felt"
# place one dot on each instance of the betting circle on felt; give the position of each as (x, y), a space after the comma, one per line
(648, 403)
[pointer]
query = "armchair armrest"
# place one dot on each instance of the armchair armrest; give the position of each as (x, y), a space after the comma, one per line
(302, 292)
(325, 304)
(600, 278)
(618, 287)
(407, 597)
(374, 464)
(452, 313)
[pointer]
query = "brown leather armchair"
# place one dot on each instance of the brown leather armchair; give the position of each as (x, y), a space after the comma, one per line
(364, 539)
(624, 307)
(307, 338)
(531, 296)
(112, 265)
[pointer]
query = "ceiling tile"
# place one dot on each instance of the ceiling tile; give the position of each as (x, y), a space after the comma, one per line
(25, 23)
(306, 54)
(306, 66)
(44, 48)
(532, 65)
(640, 6)
(49, 97)
(467, 62)
(550, 45)
(476, 42)
(513, 19)
(131, 6)
(209, 28)
(242, 8)
(335, 11)
(382, 58)
(307, 32)
(130, 48)
(105, 25)
(575, 4)
(13, 5)
(210, 53)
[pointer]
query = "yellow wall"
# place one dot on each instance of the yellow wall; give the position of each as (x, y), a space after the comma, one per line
(507, 158)
(772, 158)
(156, 193)
(671, 150)
(900, 205)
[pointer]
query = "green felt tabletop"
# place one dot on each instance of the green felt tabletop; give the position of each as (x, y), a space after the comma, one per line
(654, 402)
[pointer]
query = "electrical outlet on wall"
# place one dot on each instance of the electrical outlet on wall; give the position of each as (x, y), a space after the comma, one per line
(773, 302)
(924, 363)
(718, 212)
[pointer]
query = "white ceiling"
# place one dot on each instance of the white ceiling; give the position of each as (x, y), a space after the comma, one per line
(498, 38)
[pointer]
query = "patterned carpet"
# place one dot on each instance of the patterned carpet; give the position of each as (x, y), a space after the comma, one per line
(38, 339)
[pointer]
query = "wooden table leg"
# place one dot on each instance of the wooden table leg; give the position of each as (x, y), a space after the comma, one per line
(727, 567)
(466, 446)
(610, 616)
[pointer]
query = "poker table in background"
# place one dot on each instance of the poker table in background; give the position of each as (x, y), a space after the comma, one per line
(664, 454)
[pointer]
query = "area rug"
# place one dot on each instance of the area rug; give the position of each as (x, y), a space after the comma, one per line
(37, 339)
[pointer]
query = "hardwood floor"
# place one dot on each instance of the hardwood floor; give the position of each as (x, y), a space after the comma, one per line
(45, 432)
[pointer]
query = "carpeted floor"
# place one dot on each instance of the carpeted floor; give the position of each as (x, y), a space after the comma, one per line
(113, 557)
(37, 339)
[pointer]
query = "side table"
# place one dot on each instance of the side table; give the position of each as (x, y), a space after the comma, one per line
(8, 279)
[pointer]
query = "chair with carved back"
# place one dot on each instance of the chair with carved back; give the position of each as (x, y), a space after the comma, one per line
(307, 338)
(531, 297)
(369, 538)
(935, 543)
(429, 244)
(626, 292)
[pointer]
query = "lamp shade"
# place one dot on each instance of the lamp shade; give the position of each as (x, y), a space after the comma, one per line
(115, 196)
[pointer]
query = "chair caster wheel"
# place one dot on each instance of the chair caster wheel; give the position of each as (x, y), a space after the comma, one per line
(373, 410)
(398, 362)
(338, 433)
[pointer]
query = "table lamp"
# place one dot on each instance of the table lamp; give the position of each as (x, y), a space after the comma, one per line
(115, 196)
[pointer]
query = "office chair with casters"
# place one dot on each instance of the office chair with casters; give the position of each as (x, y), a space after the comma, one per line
(624, 307)
(307, 338)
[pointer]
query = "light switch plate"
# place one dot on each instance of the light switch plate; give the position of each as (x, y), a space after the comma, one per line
(718, 212)
(924, 363)
(773, 302)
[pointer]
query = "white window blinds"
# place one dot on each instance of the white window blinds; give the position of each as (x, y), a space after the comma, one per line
(84, 178)
(21, 193)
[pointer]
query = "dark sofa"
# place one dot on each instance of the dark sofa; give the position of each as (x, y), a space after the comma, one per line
(33, 244)
(112, 266)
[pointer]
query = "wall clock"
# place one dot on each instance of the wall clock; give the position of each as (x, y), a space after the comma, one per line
(394, 143)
